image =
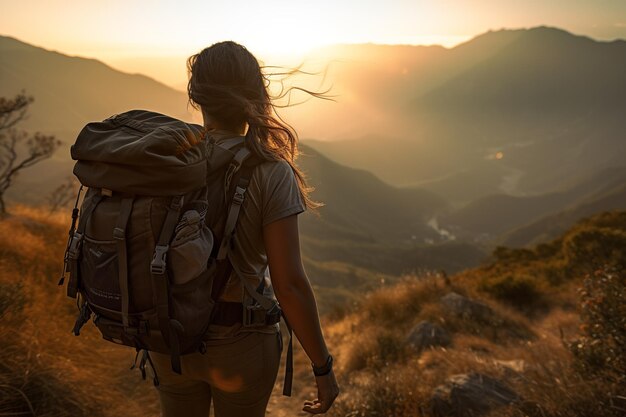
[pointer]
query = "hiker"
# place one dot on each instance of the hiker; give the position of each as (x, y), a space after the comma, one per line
(239, 368)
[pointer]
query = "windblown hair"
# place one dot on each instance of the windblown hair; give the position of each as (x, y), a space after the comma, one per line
(227, 84)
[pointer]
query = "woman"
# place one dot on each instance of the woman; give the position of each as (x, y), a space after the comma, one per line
(239, 369)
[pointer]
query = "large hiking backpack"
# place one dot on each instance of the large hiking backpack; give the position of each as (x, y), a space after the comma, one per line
(147, 258)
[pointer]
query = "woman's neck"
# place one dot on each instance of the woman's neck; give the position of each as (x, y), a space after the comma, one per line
(221, 134)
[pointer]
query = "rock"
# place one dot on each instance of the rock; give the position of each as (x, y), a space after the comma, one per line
(470, 395)
(426, 334)
(515, 365)
(466, 307)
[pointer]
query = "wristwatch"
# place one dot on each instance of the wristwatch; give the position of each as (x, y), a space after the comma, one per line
(324, 369)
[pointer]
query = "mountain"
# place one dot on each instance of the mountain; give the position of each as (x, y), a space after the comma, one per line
(368, 228)
(497, 214)
(510, 111)
(549, 227)
(361, 206)
(71, 91)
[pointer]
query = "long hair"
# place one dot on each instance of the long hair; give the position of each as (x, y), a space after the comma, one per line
(227, 84)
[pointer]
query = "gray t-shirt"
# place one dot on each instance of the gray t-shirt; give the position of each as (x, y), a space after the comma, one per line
(272, 194)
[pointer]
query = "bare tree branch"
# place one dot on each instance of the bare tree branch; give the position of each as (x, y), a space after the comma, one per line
(13, 111)
(37, 146)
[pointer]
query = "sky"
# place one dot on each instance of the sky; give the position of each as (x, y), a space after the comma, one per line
(135, 33)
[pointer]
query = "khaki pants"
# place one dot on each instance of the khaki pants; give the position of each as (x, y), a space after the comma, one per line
(238, 377)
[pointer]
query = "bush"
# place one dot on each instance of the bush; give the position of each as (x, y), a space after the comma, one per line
(602, 347)
(592, 248)
(375, 349)
(519, 290)
(504, 254)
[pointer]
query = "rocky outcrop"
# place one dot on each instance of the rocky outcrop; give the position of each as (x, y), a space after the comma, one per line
(425, 335)
(470, 395)
(466, 307)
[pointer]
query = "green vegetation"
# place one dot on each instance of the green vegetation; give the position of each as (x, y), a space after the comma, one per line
(528, 334)
(525, 278)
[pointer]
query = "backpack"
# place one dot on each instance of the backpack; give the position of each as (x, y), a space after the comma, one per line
(147, 249)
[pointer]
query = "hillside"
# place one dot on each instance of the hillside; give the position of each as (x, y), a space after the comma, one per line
(509, 330)
(44, 369)
(504, 339)
(71, 91)
(549, 227)
(489, 217)
(362, 207)
(370, 230)
(441, 116)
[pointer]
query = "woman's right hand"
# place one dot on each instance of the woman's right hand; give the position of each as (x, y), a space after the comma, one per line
(327, 391)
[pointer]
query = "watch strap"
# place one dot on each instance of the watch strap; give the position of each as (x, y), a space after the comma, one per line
(324, 369)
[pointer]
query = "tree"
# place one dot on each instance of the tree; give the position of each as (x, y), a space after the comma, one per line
(18, 148)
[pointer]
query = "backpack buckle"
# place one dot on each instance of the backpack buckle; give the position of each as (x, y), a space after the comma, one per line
(119, 234)
(239, 195)
(255, 315)
(158, 263)
(273, 315)
(72, 251)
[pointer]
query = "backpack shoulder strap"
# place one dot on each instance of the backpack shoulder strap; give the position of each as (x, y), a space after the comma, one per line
(245, 163)
(237, 198)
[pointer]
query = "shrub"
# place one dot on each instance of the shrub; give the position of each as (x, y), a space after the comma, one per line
(374, 349)
(591, 248)
(401, 302)
(521, 291)
(602, 347)
(504, 254)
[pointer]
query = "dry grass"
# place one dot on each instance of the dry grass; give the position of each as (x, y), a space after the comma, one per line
(45, 370)
(540, 370)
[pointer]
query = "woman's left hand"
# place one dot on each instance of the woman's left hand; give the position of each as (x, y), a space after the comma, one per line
(327, 391)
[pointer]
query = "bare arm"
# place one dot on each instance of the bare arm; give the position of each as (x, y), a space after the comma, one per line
(295, 295)
(292, 287)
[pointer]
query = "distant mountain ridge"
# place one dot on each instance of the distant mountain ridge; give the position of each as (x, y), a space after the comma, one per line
(509, 216)
(536, 96)
(71, 91)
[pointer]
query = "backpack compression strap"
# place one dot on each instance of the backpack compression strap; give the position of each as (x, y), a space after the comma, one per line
(66, 260)
(170, 328)
(119, 234)
(74, 248)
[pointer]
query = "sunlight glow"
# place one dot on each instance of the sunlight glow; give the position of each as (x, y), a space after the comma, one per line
(137, 35)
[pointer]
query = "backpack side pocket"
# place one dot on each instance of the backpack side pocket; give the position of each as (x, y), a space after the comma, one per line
(190, 249)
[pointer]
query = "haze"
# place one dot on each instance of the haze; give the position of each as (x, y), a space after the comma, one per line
(137, 36)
